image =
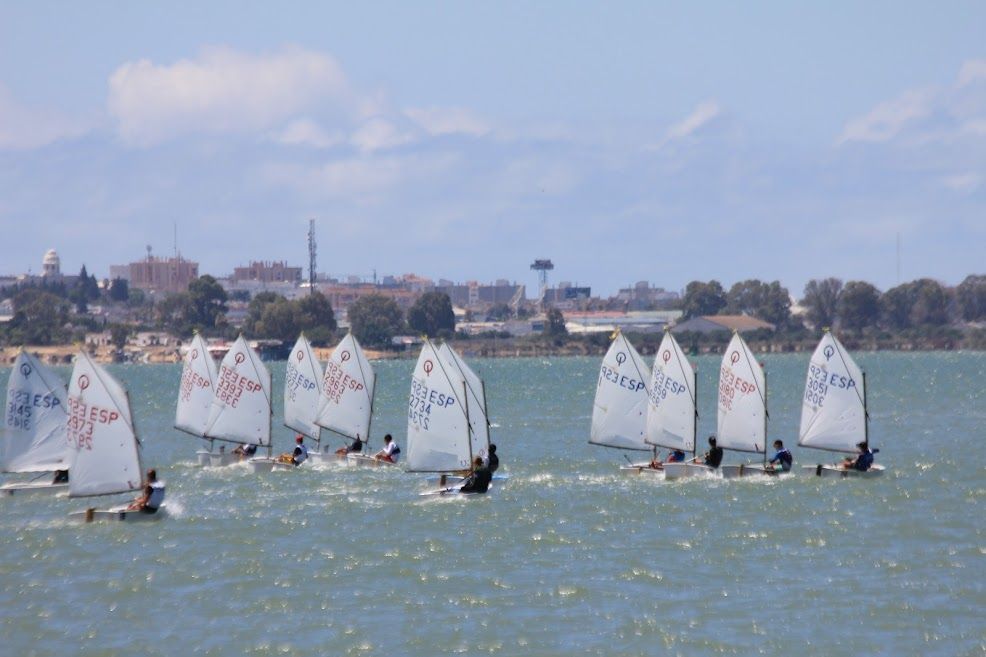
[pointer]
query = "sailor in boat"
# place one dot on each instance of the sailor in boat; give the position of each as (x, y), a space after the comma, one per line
(863, 461)
(355, 448)
(493, 461)
(153, 496)
(299, 455)
(713, 457)
(674, 456)
(245, 451)
(782, 458)
(479, 480)
(61, 477)
(390, 451)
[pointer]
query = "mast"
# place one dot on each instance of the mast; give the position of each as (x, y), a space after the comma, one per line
(695, 420)
(764, 415)
(486, 413)
(866, 415)
(465, 395)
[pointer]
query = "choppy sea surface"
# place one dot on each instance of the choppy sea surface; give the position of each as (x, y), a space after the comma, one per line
(566, 557)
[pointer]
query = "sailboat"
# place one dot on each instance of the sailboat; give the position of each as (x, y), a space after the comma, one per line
(241, 406)
(672, 413)
(834, 414)
(101, 432)
(619, 411)
(439, 427)
(302, 392)
(345, 406)
(742, 407)
(195, 393)
(34, 427)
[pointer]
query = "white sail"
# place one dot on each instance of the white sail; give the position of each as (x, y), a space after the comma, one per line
(241, 407)
(101, 432)
(302, 389)
(671, 398)
(437, 416)
(476, 395)
(197, 388)
(34, 421)
(833, 415)
(346, 403)
(619, 412)
(742, 400)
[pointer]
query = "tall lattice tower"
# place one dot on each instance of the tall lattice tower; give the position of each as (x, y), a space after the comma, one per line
(312, 252)
(542, 267)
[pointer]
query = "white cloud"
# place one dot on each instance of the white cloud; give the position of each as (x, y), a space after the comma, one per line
(379, 134)
(305, 132)
(886, 120)
(963, 182)
(972, 71)
(26, 128)
(448, 121)
(700, 116)
(224, 91)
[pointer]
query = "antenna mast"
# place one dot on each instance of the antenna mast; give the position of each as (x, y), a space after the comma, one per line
(311, 256)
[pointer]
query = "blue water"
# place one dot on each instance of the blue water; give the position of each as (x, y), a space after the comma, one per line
(566, 557)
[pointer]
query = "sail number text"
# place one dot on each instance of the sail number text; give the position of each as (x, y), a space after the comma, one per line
(819, 382)
(337, 381)
(731, 384)
(231, 385)
(21, 405)
(621, 380)
(82, 419)
(421, 402)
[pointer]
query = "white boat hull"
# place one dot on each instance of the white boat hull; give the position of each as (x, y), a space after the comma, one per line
(203, 458)
(750, 470)
(118, 514)
(684, 470)
(261, 464)
(641, 468)
(364, 461)
(32, 488)
(836, 470)
(222, 459)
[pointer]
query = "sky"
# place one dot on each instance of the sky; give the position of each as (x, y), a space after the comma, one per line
(626, 141)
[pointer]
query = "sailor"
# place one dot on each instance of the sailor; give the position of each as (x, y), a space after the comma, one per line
(713, 457)
(479, 480)
(674, 456)
(61, 477)
(300, 454)
(863, 462)
(782, 457)
(355, 448)
(153, 496)
(390, 451)
(245, 451)
(493, 461)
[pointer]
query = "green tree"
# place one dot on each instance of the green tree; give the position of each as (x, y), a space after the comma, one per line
(119, 334)
(858, 306)
(703, 299)
(39, 318)
(375, 319)
(316, 318)
(821, 301)
(279, 321)
(895, 306)
(931, 302)
(971, 298)
(208, 301)
(499, 312)
(175, 314)
(255, 311)
(770, 302)
(119, 290)
(432, 315)
(554, 326)
(86, 289)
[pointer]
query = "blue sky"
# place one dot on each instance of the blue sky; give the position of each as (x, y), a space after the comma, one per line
(626, 141)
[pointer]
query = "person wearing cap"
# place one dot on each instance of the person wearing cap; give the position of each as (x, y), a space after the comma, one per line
(355, 448)
(153, 496)
(713, 457)
(299, 455)
(390, 451)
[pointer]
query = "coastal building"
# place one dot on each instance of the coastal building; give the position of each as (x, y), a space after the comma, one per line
(727, 323)
(642, 296)
(267, 272)
(577, 322)
(474, 296)
(158, 275)
(51, 264)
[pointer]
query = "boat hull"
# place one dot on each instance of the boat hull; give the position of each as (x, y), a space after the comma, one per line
(32, 488)
(685, 470)
(364, 461)
(262, 464)
(750, 470)
(642, 469)
(222, 459)
(118, 514)
(836, 470)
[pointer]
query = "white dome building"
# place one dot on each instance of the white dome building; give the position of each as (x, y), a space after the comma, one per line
(52, 264)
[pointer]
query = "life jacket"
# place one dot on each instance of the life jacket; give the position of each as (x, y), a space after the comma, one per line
(864, 462)
(156, 498)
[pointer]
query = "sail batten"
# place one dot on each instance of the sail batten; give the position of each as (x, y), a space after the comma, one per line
(619, 412)
(742, 405)
(302, 389)
(35, 417)
(345, 404)
(438, 429)
(100, 430)
(833, 409)
(241, 406)
(671, 398)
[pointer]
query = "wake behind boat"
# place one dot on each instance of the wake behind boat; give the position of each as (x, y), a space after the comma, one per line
(34, 428)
